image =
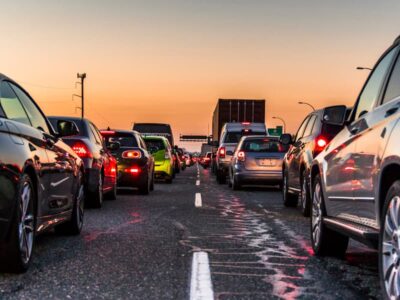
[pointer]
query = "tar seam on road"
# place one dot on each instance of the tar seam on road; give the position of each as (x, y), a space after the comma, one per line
(200, 283)
(197, 200)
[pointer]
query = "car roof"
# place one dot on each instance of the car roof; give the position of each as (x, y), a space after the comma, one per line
(260, 137)
(120, 131)
(157, 137)
(239, 126)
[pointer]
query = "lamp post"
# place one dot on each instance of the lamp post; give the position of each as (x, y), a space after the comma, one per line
(283, 121)
(305, 103)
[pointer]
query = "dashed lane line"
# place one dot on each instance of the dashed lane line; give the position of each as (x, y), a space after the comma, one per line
(200, 283)
(197, 182)
(197, 200)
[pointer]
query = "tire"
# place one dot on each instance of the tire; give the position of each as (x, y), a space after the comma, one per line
(325, 241)
(96, 198)
(389, 245)
(144, 188)
(221, 179)
(304, 196)
(230, 179)
(168, 180)
(15, 255)
(152, 182)
(289, 199)
(236, 184)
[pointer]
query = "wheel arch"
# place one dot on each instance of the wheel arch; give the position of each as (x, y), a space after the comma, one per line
(389, 174)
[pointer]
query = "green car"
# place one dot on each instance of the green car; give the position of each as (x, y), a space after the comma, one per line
(161, 150)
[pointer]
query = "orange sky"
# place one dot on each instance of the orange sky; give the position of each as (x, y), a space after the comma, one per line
(169, 61)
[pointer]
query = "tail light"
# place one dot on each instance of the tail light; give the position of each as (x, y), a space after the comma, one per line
(132, 154)
(107, 132)
(133, 170)
(320, 144)
(222, 152)
(241, 156)
(81, 149)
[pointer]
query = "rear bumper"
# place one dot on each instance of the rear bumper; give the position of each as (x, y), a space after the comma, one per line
(127, 179)
(163, 169)
(260, 177)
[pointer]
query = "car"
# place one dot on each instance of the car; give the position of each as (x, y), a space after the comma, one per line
(135, 162)
(100, 165)
(311, 138)
(230, 136)
(206, 160)
(182, 158)
(41, 178)
(356, 178)
(161, 150)
(257, 160)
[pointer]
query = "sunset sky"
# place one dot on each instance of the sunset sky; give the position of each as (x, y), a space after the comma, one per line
(169, 61)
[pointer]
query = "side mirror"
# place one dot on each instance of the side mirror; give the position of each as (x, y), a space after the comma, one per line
(66, 128)
(114, 146)
(286, 139)
(335, 115)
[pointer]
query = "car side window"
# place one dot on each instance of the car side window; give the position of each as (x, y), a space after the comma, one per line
(310, 125)
(371, 90)
(11, 105)
(393, 87)
(96, 137)
(142, 143)
(97, 133)
(35, 115)
(300, 132)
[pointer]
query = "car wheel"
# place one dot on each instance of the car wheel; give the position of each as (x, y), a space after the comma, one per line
(168, 180)
(324, 240)
(221, 178)
(235, 184)
(389, 244)
(230, 180)
(96, 198)
(16, 252)
(144, 189)
(304, 196)
(152, 182)
(289, 199)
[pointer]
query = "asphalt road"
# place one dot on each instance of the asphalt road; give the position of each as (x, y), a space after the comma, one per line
(142, 247)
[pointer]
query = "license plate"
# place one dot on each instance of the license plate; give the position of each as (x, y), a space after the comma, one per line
(267, 162)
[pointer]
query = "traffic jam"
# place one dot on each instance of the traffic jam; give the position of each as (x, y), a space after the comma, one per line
(89, 211)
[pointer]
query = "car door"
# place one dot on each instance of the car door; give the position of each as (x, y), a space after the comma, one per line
(351, 163)
(372, 134)
(60, 163)
(293, 157)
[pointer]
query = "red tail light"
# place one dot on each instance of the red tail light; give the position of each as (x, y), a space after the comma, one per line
(133, 170)
(221, 152)
(245, 123)
(132, 154)
(81, 149)
(320, 144)
(241, 156)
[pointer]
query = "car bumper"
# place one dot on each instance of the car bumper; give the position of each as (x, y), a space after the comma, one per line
(127, 179)
(163, 169)
(259, 177)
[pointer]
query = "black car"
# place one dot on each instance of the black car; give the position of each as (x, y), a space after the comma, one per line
(41, 178)
(100, 170)
(311, 138)
(135, 162)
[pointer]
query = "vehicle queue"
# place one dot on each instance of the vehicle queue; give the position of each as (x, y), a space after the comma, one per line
(342, 166)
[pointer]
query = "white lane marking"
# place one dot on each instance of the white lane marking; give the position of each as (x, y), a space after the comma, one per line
(197, 200)
(197, 182)
(54, 184)
(200, 283)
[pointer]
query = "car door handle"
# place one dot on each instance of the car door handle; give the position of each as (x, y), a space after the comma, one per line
(391, 111)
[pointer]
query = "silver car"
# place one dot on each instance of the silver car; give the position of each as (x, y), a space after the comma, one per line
(356, 179)
(257, 160)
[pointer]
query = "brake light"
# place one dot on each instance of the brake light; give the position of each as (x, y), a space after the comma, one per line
(113, 170)
(132, 154)
(81, 149)
(245, 123)
(107, 132)
(241, 156)
(221, 152)
(320, 144)
(133, 170)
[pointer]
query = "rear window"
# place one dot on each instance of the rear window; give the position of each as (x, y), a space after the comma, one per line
(155, 144)
(78, 123)
(234, 137)
(263, 145)
(152, 128)
(124, 139)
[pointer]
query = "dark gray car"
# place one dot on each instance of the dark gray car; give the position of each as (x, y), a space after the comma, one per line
(257, 160)
(356, 179)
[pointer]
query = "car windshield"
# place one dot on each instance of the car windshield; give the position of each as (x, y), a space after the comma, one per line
(155, 144)
(124, 139)
(263, 145)
(234, 137)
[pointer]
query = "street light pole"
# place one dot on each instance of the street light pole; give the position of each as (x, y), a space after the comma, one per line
(82, 77)
(283, 121)
(305, 103)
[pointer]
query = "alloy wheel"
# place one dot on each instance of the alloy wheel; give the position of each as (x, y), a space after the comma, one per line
(316, 215)
(26, 223)
(391, 249)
